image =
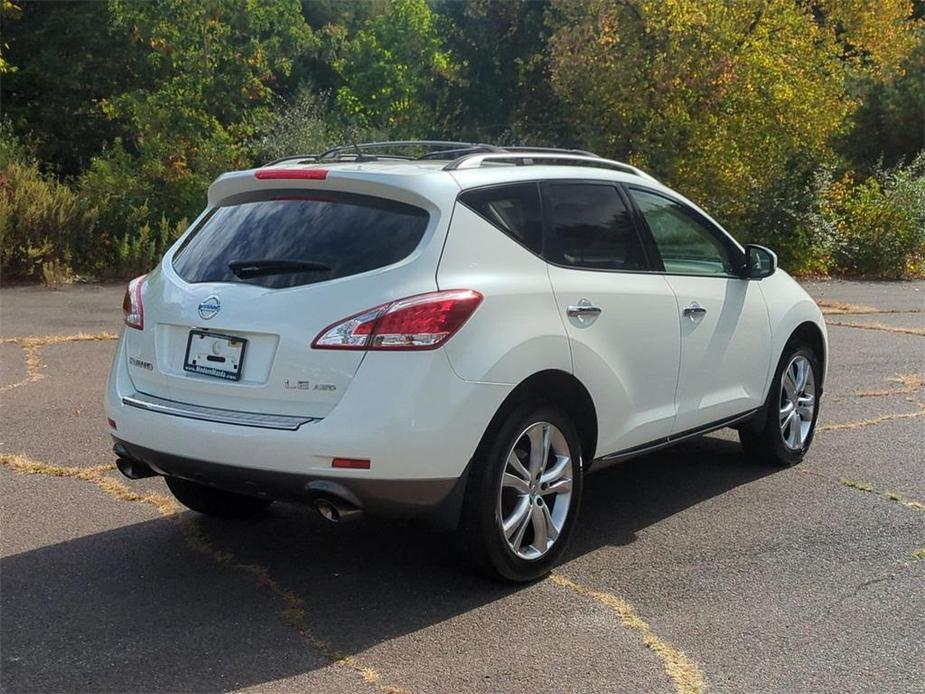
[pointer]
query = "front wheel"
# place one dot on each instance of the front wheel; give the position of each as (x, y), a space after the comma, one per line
(788, 420)
(523, 496)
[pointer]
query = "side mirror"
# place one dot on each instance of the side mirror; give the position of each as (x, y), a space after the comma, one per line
(760, 262)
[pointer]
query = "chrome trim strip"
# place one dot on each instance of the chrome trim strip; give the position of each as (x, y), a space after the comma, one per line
(668, 441)
(152, 403)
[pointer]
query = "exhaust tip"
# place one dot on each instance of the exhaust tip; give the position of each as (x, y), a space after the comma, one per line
(327, 510)
(336, 511)
(134, 470)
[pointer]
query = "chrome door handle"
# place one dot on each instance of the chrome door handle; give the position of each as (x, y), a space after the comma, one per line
(584, 309)
(694, 311)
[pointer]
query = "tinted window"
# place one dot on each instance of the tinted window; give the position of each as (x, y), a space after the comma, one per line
(592, 228)
(686, 244)
(331, 234)
(514, 209)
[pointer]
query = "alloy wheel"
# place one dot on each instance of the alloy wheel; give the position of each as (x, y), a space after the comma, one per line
(797, 402)
(534, 498)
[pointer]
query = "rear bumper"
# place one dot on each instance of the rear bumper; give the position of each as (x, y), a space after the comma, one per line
(436, 499)
(407, 413)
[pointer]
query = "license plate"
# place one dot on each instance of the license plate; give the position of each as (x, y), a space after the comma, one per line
(212, 354)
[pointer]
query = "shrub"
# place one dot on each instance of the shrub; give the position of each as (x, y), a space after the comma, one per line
(302, 127)
(42, 222)
(142, 204)
(871, 228)
(138, 253)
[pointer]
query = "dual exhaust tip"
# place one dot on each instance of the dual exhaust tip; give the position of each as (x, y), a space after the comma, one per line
(328, 507)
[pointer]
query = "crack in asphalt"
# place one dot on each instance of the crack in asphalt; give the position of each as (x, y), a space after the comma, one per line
(32, 345)
(878, 326)
(896, 497)
(911, 384)
(683, 672)
(293, 612)
(830, 307)
(870, 488)
(872, 420)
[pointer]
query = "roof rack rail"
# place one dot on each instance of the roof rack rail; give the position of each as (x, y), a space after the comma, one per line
(464, 155)
(450, 145)
(552, 150)
(529, 157)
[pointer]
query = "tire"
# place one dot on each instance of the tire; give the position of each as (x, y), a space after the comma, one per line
(551, 501)
(766, 439)
(215, 502)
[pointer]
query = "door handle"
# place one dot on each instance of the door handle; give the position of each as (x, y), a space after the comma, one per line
(584, 309)
(694, 311)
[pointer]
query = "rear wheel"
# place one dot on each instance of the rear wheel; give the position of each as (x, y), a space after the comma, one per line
(215, 502)
(784, 434)
(523, 496)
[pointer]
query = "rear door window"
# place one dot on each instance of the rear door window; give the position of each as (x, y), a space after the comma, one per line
(591, 227)
(283, 239)
(514, 209)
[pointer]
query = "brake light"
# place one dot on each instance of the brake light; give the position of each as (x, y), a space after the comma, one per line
(304, 174)
(424, 321)
(133, 311)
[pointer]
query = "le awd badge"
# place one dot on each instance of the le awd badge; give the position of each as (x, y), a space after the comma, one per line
(307, 385)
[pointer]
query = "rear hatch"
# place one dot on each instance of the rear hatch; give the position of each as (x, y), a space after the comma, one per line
(230, 315)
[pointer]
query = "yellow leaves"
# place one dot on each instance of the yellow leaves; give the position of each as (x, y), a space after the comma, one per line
(878, 34)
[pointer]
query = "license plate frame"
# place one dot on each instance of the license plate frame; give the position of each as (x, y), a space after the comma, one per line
(231, 348)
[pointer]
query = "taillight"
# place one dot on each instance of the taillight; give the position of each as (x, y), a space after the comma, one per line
(424, 321)
(133, 311)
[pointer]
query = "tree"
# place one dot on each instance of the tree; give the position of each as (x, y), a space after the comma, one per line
(7, 11)
(889, 125)
(723, 100)
(65, 58)
(206, 85)
(503, 92)
(395, 70)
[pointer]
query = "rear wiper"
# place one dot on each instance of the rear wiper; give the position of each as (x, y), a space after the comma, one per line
(268, 266)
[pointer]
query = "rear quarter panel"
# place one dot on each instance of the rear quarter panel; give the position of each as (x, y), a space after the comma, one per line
(517, 330)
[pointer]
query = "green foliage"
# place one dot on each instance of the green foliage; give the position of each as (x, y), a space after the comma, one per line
(874, 227)
(889, 125)
(67, 58)
(8, 11)
(305, 126)
(395, 70)
(502, 93)
(782, 118)
(138, 253)
(715, 97)
(42, 222)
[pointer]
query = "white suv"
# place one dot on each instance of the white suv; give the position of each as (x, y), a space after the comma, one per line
(461, 335)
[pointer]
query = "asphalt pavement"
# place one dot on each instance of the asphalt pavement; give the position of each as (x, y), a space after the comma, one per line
(693, 569)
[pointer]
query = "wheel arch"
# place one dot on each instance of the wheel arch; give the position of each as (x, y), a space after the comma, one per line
(811, 334)
(558, 388)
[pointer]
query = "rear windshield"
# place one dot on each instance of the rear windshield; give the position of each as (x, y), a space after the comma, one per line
(283, 239)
